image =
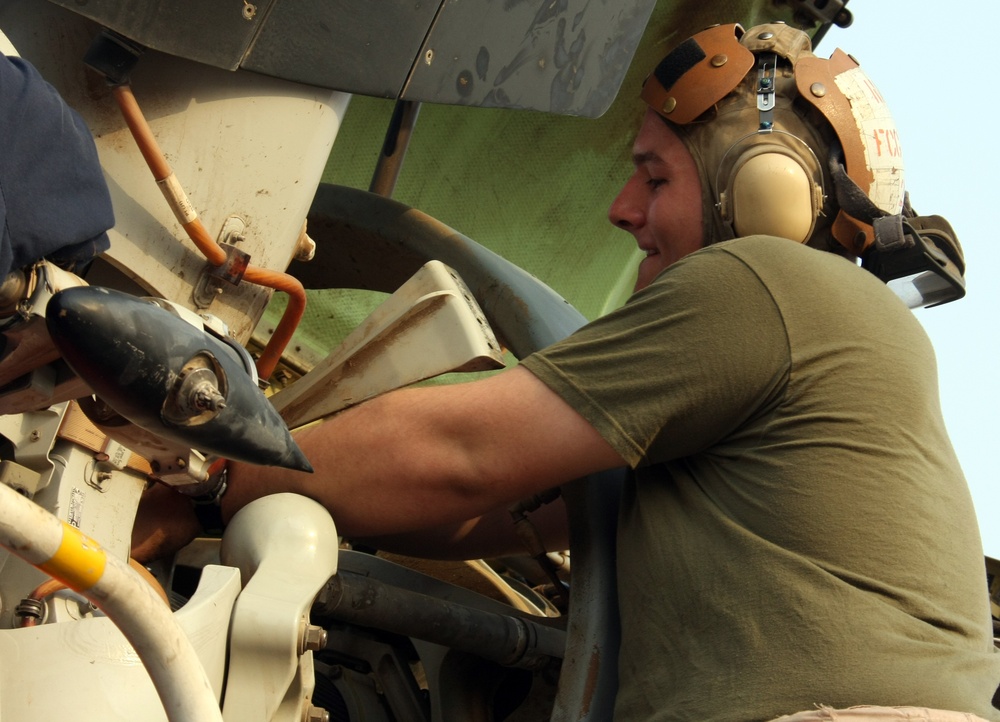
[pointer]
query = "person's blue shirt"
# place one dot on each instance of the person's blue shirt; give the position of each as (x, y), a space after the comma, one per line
(54, 201)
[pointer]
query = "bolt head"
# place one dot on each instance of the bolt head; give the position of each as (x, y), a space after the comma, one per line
(316, 714)
(313, 638)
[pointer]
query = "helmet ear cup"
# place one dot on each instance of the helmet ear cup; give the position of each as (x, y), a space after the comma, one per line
(770, 193)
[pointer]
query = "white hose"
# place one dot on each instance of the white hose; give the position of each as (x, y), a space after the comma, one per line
(66, 554)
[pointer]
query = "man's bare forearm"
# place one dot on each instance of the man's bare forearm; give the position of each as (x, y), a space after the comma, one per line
(491, 535)
(384, 467)
(434, 458)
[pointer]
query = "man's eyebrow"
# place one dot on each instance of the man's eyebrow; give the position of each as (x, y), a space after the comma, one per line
(645, 157)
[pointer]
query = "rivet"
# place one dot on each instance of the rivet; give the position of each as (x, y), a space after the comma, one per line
(766, 35)
(818, 89)
(669, 104)
(719, 60)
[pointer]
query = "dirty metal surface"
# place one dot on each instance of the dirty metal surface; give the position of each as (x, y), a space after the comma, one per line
(560, 56)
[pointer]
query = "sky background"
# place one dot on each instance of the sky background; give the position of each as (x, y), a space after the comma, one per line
(934, 64)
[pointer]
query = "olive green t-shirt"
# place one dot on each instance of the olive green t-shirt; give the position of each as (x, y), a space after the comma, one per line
(797, 530)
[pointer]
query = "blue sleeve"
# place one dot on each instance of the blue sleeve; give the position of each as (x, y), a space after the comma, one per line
(54, 201)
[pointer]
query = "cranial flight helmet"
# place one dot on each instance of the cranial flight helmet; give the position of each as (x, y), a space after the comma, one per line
(793, 145)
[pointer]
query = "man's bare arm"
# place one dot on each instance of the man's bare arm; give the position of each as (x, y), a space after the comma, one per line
(488, 536)
(434, 457)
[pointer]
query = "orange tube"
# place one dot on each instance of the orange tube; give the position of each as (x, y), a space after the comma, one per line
(282, 335)
(212, 251)
(141, 132)
(164, 175)
(199, 235)
(51, 586)
(150, 580)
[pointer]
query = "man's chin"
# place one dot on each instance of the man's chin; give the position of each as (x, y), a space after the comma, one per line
(649, 269)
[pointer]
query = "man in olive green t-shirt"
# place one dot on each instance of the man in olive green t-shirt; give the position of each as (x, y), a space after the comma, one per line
(796, 533)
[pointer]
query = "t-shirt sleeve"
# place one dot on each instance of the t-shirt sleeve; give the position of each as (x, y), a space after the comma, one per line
(54, 201)
(684, 363)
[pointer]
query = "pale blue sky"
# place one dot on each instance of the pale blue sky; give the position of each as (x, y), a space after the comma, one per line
(934, 63)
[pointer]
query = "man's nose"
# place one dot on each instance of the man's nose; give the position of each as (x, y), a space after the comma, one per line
(625, 212)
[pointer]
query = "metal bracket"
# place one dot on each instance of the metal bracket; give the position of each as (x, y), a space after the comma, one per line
(211, 283)
(767, 68)
(285, 547)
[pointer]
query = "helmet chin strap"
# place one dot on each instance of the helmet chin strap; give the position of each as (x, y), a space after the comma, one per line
(919, 257)
(855, 202)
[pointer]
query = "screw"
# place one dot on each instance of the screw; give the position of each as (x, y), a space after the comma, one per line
(205, 397)
(316, 714)
(313, 639)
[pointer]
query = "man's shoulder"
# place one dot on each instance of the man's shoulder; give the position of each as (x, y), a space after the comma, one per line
(761, 260)
(782, 261)
(773, 247)
(757, 251)
(801, 281)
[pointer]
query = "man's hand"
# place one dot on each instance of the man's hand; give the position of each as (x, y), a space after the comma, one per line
(164, 524)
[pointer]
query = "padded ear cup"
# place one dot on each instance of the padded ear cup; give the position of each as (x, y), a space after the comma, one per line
(772, 195)
(771, 192)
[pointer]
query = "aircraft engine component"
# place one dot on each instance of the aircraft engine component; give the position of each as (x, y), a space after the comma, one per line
(168, 377)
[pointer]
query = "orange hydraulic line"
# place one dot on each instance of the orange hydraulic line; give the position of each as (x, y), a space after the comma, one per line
(51, 586)
(279, 340)
(271, 354)
(162, 172)
(196, 231)
(150, 580)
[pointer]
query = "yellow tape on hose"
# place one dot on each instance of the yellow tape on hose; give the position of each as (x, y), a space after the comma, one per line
(79, 561)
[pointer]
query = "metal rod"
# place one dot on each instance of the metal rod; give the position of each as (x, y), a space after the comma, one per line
(397, 139)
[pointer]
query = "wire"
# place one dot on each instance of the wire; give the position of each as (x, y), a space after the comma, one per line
(187, 216)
